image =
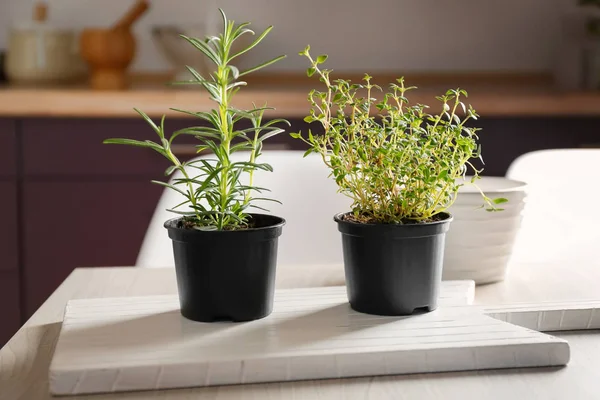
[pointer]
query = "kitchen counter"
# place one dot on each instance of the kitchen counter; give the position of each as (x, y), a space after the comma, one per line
(491, 94)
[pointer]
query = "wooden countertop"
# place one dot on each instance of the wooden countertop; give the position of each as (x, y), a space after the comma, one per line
(25, 359)
(491, 94)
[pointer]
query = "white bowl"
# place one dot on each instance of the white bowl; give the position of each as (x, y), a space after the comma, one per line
(479, 243)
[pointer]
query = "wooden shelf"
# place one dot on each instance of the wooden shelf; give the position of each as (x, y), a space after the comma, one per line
(491, 94)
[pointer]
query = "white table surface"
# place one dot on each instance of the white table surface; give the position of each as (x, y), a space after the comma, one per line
(25, 359)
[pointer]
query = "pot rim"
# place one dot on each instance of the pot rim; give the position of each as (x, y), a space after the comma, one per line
(171, 224)
(394, 231)
(337, 218)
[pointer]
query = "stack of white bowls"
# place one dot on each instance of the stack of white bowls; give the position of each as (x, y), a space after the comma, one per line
(479, 243)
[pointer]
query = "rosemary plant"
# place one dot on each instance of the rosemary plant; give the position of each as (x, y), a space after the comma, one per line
(212, 190)
(398, 164)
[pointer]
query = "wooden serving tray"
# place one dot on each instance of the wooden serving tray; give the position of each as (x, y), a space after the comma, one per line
(124, 344)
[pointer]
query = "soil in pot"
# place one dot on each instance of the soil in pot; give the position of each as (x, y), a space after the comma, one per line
(393, 269)
(226, 275)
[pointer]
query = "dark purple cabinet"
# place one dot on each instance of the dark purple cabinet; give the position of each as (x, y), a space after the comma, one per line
(8, 150)
(10, 310)
(73, 147)
(504, 139)
(8, 227)
(85, 204)
(81, 224)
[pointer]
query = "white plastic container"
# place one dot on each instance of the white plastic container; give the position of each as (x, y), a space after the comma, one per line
(479, 243)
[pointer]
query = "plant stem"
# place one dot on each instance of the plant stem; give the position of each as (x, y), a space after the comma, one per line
(226, 141)
(190, 188)
(257, 123)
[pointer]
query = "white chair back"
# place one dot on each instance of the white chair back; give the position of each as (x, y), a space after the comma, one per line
(309, 198)
(560, 220)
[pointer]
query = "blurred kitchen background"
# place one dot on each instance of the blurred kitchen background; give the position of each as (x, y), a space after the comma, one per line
(407, 35)
(532, 68)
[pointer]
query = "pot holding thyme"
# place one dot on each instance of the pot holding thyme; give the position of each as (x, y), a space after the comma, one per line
(225, 255)
(401, 166)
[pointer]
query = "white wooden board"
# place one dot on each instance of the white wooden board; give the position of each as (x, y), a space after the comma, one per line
(549, 316)
(123, 344)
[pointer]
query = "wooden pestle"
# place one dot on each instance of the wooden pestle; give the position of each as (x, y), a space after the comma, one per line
(132, 15)
(109, 52)
(40, 12)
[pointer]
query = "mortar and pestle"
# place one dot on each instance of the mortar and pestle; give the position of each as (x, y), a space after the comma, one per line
(109, 51)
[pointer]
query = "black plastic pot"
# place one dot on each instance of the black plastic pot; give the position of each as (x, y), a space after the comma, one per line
(393, 269)
(226, 275)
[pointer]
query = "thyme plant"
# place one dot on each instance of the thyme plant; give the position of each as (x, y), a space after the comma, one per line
(398, 164)
(212, 188)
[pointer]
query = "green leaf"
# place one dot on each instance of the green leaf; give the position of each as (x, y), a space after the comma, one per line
(270, 134)
(321, 59)
(181, 204)
(253, 44)
(188, 82)
(277, 121)
(234, 71)
(211, 117)
(247, 164)
(258, 189)
(305, 51)
(266, 199)
(240, 147)
(196, 75)
(249, 113)
(311, 71)
(336, 148)
(500, 200)
(259, 208)
(185, 213)
(204, 48)
(137, 143)
(171, 169)
(236, 84)
(361, 153)
(208, 181)
(296, 135)
(202, 134)
(168, 185)
(262, 65)
(150, 122)
(241, 30)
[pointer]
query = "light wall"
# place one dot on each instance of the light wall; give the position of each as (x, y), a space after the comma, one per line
(358, 35)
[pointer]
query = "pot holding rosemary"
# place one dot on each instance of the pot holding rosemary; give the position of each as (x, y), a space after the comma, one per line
(225, 255)
(401, 166)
